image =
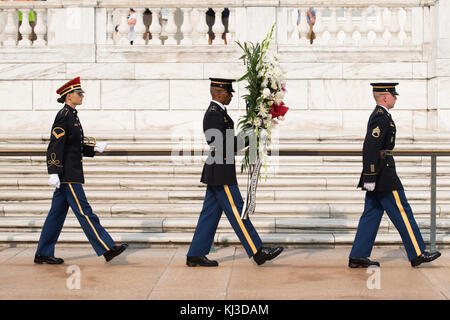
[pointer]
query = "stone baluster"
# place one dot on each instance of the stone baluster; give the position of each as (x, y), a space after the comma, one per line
(109, 26)
(333, 27)
(195, 16)
(186, 28)
(348, 26)
(155, 27)
(319, 27)
(2, 24)
(407, 27)
(171, 28)
(124, 28)
(379, 26)
(139, 27)
(292, 37)
(40, 28)
(202, 26)
(363, 28)
(394, 27)
(11, 28)
(25, 29)
(232, 25)
(303, 27)
(218, 27)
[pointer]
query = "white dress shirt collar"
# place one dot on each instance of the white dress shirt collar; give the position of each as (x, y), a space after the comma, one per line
(387, 110)
(220, 104)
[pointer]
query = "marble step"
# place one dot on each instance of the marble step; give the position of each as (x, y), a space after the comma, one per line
(185, 183)
(221, 239)
(200, 147)
(315, 232)
(136, 136)
(182, 160)
(174, 196)
(262, 224)
(166, 170)
(192, 210)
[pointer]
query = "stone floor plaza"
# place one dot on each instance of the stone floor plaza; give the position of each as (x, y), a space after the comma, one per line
(161, 273)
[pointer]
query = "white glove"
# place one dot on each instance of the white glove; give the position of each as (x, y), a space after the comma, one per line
(54, 180)
(100, 146)
(369, 186)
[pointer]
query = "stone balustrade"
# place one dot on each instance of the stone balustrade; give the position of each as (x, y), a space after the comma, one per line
(350, 23)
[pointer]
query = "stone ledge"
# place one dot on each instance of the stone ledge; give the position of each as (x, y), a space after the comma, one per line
(168, 239)
(34, 209)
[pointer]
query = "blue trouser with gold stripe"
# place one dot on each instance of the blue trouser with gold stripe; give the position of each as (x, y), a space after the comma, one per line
(397, 207)
(72, 195)
(217, 199)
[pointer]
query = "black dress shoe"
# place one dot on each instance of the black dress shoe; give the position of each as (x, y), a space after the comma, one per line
(49, 260)
(265, 254)
(425, 257)
(114, 251)
(201, 261)
(361, 263)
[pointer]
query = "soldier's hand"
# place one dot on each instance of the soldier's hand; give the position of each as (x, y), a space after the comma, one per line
(100, 146)
(369, 186)
(54, 180)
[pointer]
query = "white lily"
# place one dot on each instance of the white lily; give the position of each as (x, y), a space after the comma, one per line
(279, 97)
(264, 83)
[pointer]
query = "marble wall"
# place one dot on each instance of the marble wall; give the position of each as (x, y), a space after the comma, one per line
(153, 89)
(148, 96)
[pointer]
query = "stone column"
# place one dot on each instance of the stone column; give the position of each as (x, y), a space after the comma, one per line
(439, 66)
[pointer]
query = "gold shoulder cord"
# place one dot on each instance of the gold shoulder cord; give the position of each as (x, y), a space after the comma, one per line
(53, 161)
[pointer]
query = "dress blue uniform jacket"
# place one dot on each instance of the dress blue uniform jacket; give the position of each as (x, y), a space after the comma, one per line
(378, 162)
(219, 168)
(66, 148)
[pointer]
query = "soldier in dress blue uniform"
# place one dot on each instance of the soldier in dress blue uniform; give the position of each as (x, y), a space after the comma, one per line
(65, 165)
(222, 193)
(384, 189)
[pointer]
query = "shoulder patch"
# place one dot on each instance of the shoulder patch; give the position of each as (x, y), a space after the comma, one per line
(58, 132)
(376, 132)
